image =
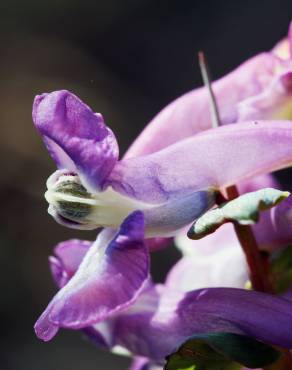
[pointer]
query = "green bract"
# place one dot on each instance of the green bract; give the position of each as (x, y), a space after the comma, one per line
(244, 210)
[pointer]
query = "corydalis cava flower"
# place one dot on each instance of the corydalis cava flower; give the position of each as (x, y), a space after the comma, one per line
(171, 187)
(259, 89)
(160, 317)
(92, 188)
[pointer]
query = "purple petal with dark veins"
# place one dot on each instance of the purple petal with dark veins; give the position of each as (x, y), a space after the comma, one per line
(76, 138)
(190, 113)
(108, 279)
(212, 159)
(265, 317)
(68, 256)
(253, 81)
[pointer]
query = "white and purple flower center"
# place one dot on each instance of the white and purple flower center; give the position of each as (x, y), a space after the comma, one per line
(71, 203)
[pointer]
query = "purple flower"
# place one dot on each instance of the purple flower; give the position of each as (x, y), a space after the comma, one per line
(126, 310)
(273, 230)
(172, 187)
(210, 258)
(109, 278)
(259, 89)
(167, 179)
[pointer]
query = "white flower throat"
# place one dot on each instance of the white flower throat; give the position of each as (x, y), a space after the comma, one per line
(69, 199)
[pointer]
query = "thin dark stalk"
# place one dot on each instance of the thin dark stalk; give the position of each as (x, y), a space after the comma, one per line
(215, 118)
(259, 272)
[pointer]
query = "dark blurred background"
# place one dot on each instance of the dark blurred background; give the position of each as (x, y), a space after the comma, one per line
(126, 59)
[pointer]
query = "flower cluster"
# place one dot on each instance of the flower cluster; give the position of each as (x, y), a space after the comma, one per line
(169, 177)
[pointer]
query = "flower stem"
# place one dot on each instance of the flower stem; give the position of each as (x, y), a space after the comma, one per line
(259, 276)
(258, 270)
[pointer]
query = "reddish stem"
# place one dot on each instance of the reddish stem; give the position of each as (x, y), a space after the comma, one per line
(258, 269)
(259, 276)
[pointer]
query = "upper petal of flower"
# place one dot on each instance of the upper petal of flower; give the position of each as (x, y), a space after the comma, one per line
(77, 138)
(272, 103)
(259, 81)
(212, 159)
(108, 279)
(190, 113)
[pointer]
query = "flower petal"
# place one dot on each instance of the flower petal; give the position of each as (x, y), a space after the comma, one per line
(265, 317)
(109, 279)
(134, 329)
(272, 103)
(77, 138)
(139, 363)
(190, 113)
(212, 159)
(280, 233)
(201, 271)
(257, 80)
(68, 256)
(142, 363)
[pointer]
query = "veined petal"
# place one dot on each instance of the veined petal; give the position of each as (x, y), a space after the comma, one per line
(108, 279)
(190, 113)
(225, 268)
(144, 331)
(130, 321)
(168, 218)
(212, 159)
(258, 81)
(265, 317)
(135, 331)
(68, 256)
(273, 103)
(156, 333)
(76, 138)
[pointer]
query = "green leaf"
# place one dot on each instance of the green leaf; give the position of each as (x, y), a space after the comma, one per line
(221, 351)
(245, 210)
